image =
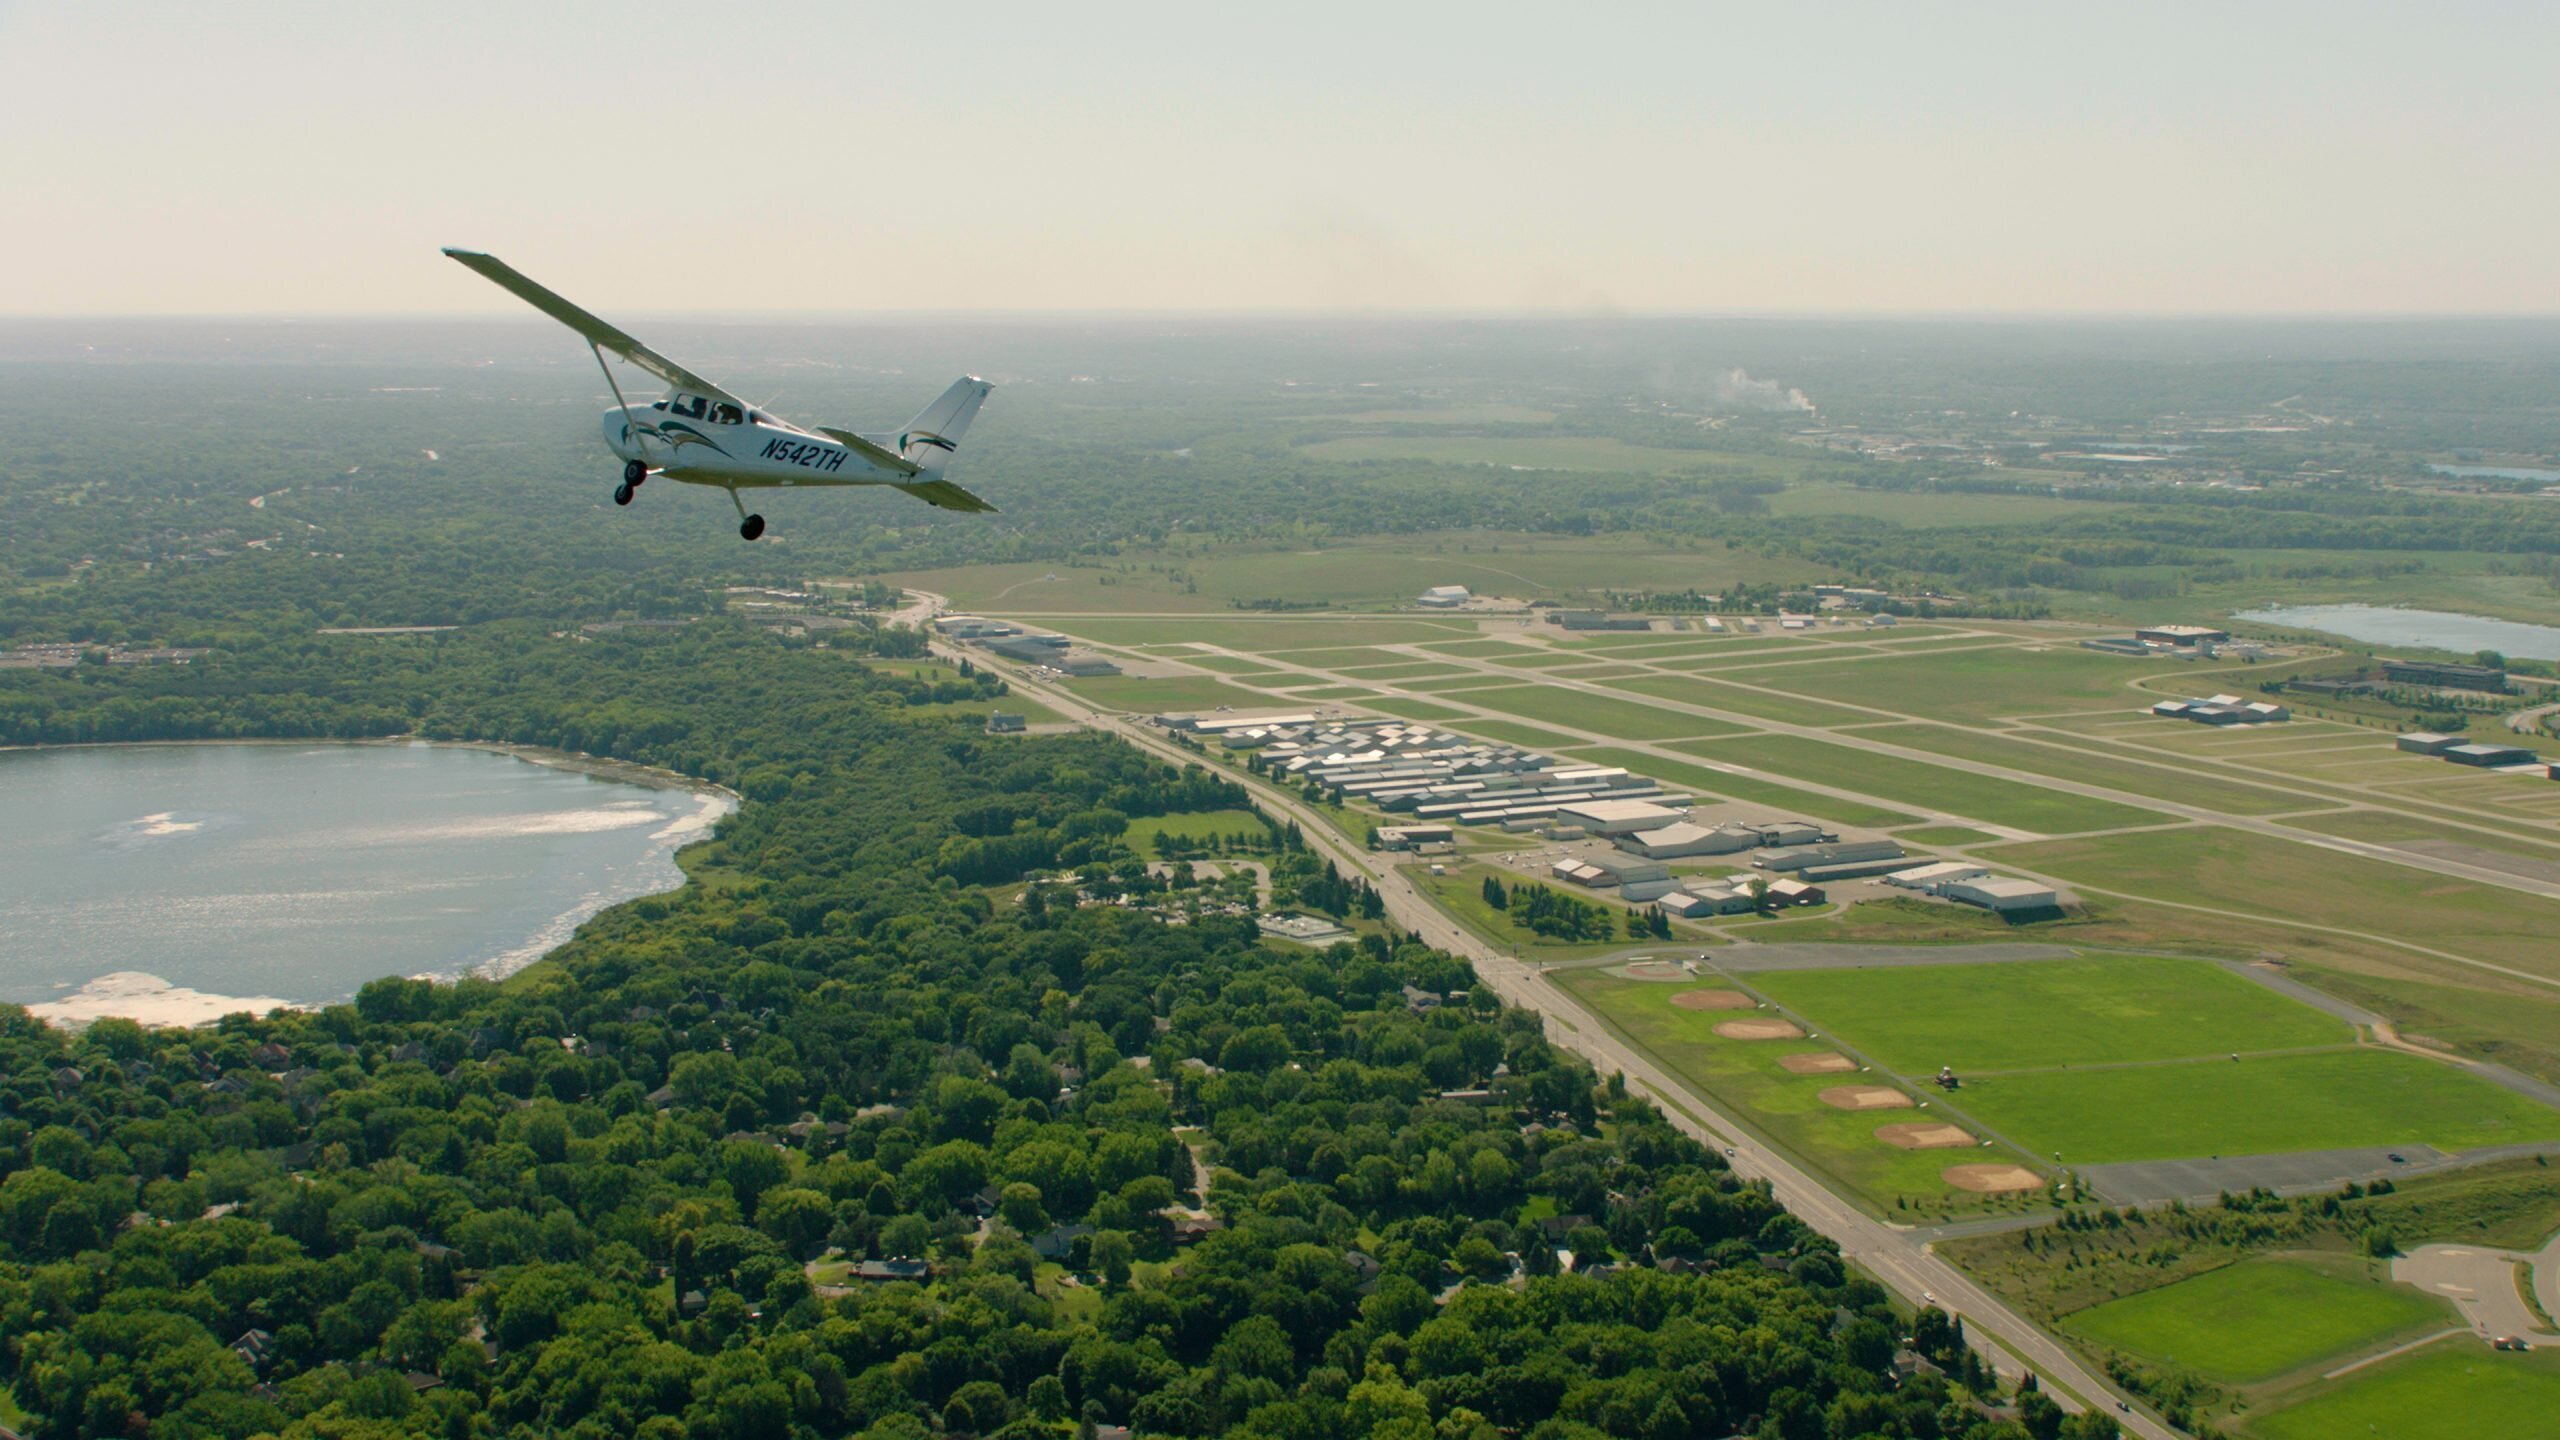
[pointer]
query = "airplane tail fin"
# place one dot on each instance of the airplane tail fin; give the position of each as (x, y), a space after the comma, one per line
(928, 440)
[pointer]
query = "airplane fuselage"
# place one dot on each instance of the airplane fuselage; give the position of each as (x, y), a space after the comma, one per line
(711, 442)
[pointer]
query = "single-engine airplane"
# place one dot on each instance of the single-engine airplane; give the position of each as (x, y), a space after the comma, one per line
(703, 435)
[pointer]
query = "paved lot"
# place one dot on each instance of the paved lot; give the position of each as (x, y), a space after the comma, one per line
(2481, 1283)
(2156, 1182)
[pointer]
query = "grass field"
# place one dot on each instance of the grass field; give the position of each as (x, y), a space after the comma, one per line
(2167, 781)
(1541, 452)
(1974, 685)
(1600, 714)
(2325, 1100)
(1785, 798)
(2265, 875)
(1264, 637)
(2037, 1013)
(2261, 1318)
(1514, 733)
(1417, 710)
(1785, 709)
(1172, 692)
(1914, 782)
(1746, 1073)
(1943, 835)
(2453, 1390)
(1401, 670)
(1198, 825)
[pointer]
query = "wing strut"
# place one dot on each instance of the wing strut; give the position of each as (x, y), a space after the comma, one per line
(639, 441)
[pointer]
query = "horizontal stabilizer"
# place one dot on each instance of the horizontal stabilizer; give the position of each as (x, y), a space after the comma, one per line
(948, 496)
(880, 456)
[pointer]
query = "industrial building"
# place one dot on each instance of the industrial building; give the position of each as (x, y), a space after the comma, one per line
(1600, 620)
(2491, 757)
(2427, 742)
(2003, 896)
(2180, 636)
(1634, 878)
(1617, 817)
(1410, 837)
(2445, 676)
(1444, 597)
(1000, 723)
(1793, 892)
(2223, 710)
(1680, 841)
(1928, 878)
(970, 627)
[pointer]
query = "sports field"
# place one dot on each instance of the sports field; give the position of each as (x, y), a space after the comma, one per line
(2261, 1318)
(2456, 1389)
(2324, 1100)
(1915, 782)
(1788, 1106)
(2034, 1014)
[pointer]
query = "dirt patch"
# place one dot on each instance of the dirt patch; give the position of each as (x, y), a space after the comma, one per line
(1712, 1000)
(1865, 1097)
(1992, 1179)
(1759, 1030)
(1924, 1135)
(1817, 1062)
(1654, 970)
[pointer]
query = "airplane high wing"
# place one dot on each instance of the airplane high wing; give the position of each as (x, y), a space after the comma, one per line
(702, 434)
(589, 327)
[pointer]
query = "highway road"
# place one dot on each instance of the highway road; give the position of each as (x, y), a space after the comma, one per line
(1895, 1257)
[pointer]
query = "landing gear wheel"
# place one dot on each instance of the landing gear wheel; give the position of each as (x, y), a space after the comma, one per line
(752, 528)
(622, 493)
(633, 472)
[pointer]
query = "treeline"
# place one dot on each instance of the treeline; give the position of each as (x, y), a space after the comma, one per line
(622, 1194)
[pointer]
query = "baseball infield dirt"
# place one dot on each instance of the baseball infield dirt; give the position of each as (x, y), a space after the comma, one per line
(1817, 1062)
(1712, 1000)
(1924, 1135)
(1865, 1097)
(1759, 1030)
(1992, 1179)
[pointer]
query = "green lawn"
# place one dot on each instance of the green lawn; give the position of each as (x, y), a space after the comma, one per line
(1976, 685)
(2030, 1014)
(1406, 670)
(1417, 710)
(1514, 733)
(1261, 637)
(1600, 714)
(1748, 788)
(1942, 835)
(1786, 710)
(1914, 782)
(1226, 664)
(2260, 1318)
(2455, 1389)
(2168, 780)
(2284, 879)
(1172, 692)
(2327, 1100)
(1787, 1107)
(1198, 825)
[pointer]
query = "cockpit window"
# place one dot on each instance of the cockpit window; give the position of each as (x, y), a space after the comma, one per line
(689, 406)
(724, 414)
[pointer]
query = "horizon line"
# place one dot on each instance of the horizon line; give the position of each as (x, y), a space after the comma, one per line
(1275, 313)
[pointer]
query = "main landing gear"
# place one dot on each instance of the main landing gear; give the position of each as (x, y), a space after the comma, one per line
(633, 473)
(749, 526)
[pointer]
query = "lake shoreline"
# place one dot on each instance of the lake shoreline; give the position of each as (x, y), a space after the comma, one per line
(155, 1001)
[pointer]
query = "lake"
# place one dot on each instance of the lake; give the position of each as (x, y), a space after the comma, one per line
(2431, 629)
(2497, 472)
(162, 881)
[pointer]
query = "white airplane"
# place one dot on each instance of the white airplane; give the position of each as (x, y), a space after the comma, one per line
(703, 435)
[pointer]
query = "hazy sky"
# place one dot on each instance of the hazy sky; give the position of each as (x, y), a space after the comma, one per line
(309, 158)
